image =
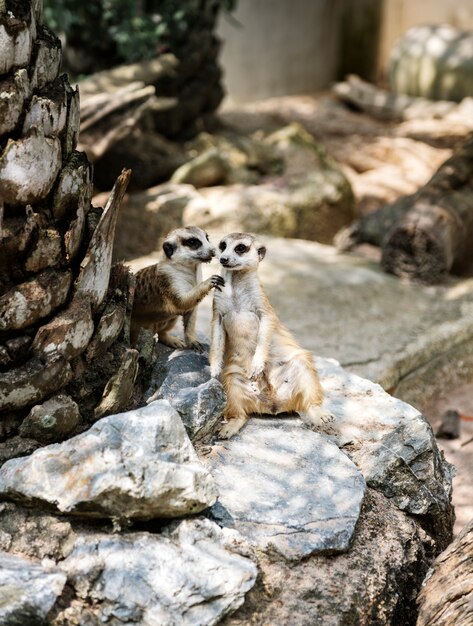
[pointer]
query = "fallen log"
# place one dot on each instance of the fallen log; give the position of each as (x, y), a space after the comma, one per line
(391, 106)
(446, 597)
(426, 235)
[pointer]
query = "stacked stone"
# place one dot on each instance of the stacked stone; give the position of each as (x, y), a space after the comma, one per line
(53, 289)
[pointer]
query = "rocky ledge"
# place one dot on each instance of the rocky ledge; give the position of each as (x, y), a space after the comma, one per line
(295, 526)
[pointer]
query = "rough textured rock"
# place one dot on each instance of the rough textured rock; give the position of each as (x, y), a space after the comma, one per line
(183, 378)
(139, 464)
(310, 198)
(391, 443)
(27, 590)
(286, 489)
(374, 584)
(434, 62)
(52, 420)
(184, 576)
(446, 598)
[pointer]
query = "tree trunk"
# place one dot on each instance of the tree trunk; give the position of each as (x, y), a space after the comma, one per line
(426, 235)
(57, 308)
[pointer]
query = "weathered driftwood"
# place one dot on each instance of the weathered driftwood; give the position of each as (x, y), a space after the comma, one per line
(95, 268)
(388, 105)
(119, 389)
(426, 235)
(117, 118)
(107, 330)
(446, 598)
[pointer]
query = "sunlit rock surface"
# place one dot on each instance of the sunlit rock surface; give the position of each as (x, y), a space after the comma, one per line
(186, 576)
(28, 590)
(139, 464)
(286, 489)
(390, 442)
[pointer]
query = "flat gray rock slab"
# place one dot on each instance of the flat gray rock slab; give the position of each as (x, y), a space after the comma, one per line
(187, 576)
(286, 488)
(391, 443)
(134, 465)
(28, 590)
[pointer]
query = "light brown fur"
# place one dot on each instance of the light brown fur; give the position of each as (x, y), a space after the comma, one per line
(262, 367)
(174, 287)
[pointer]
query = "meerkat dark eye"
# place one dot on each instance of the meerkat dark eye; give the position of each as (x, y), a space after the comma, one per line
(222, 245)
(241, 248)
(192, 243)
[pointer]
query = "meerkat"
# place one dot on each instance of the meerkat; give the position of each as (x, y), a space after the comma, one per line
(174, 287)
(262, 367)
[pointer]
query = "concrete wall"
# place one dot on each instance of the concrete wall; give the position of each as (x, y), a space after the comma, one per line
(281, 47)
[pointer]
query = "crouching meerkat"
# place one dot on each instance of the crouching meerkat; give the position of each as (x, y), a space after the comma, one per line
(262, 367)
(174, 287)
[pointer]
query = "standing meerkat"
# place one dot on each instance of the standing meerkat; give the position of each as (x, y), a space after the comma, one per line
(262, 367)
(174, 287)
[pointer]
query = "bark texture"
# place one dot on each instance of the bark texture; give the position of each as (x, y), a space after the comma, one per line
(56, 296)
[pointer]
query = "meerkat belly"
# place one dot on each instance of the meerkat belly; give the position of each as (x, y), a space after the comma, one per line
(241, 331)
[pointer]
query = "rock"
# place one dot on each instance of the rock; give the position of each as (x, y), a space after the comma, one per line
(119, 388)
(391, 443)
(286, 489)
(446, 597)
(183, 378)
(51, 421)
(135, 465)
(205, 170)
(184, 576)
(433, 61)
(147, 217)
(28, 590)
(373, 584)
(310, 198)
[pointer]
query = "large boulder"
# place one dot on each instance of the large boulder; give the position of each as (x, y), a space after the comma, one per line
(434, 62)
(135, 465)
(373, 584)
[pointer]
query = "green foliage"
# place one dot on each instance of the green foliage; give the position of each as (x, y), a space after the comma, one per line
(115, 31)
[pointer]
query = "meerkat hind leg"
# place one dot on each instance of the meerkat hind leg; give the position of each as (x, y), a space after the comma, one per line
(316, 416)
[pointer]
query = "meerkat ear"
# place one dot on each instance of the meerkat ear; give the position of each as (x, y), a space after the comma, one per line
(261, 251)
(169, 248)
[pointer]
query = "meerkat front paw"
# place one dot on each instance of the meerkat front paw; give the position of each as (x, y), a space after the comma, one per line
(215, 371)
(257, 371)
(231, 427)
(216, 282)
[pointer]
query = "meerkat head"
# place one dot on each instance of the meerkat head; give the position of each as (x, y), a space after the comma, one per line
(241, 252)
(188, 245)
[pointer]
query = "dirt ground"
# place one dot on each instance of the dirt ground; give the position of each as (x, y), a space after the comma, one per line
(382, 162)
